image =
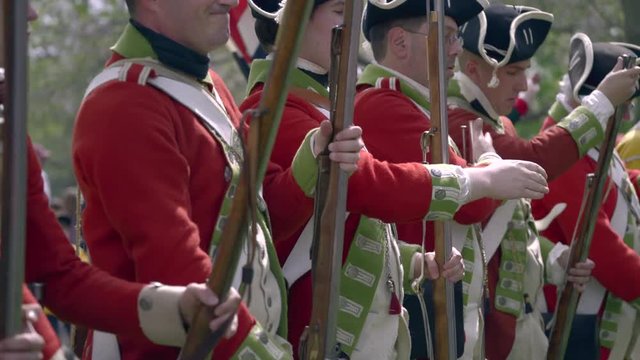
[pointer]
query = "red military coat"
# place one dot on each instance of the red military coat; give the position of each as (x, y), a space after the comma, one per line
(392, 126)
(154, 179)
(393, 193)
(616, 263)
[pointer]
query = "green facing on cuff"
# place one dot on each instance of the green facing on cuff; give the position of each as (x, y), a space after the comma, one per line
(406, 255)
(445, 196)
(584, 128)
(305, 166)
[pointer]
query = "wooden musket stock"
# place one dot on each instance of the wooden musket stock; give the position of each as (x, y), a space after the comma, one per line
(264, 127)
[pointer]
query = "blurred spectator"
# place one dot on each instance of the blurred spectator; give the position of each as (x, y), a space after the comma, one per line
(43, 155)
(526, 98)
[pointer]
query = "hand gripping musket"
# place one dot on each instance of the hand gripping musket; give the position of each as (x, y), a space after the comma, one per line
(331, 195)
(581, 242)
(445, 332)
(14, 165)
(264, 127)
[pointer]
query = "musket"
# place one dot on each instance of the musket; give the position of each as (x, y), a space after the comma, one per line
(14, 165)
(264, 127)
(581, 242)
(331, 194)
(445, 331)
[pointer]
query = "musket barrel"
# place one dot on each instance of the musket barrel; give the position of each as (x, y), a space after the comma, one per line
(14, 166)
(443, 290)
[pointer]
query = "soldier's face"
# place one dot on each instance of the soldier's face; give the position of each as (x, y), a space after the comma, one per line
(201, 25)
(513, 80)
(316, 45)
(417, 66)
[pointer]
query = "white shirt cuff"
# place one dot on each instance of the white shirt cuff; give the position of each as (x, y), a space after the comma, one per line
(465, 185)
(598, 103)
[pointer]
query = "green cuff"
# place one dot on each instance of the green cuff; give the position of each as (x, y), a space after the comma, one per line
(305, 166)
(260, 345)
(406, 256)
(446, 195)
(584, 128)
(558, 111)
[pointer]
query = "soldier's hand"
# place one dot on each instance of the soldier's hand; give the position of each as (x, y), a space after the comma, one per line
(481, 142)
(26, 345)
(580, 275)
(508, 179)
(452, 270)
(196, 295)
(345, 148)
(620, 84)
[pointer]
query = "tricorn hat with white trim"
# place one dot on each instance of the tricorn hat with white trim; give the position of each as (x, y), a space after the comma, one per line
(265, 9)
(381, 11)
(505, 34)
(590, 62)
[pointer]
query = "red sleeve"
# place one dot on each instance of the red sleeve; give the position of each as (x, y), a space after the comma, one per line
(375, 184)
(553, 148)
(616, 263)
(74, 291)
(392, 126)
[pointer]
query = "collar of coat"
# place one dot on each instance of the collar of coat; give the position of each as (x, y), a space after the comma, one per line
(132, 44)
(374, 73)
(299, 79)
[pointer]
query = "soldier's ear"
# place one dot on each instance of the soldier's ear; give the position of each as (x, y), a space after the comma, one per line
(397, 44)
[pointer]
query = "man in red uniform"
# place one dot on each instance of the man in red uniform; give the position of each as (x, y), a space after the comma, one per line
(157, 155)
(613, 299)
(396, 88)
(380, 190)
(82, 294)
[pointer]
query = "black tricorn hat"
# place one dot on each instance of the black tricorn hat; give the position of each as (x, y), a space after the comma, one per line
(505, 34)
(265, 9)
(281, 4)
(381, 11)
(590, 62)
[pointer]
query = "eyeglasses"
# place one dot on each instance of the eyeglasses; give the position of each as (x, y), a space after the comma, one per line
(450, 39)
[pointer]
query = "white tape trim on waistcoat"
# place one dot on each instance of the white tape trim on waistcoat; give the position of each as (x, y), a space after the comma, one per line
(495, 229)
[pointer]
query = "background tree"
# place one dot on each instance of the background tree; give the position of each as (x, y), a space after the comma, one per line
(70, 42)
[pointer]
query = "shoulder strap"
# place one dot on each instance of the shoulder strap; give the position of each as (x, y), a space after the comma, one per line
(497, 226)
(207, 106)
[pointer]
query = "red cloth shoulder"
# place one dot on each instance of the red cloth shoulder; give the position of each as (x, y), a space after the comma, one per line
(392, 126)
(615, 261)
(553, 148)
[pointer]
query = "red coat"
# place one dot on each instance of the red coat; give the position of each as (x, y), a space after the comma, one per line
(153, 179)
(74, 291)
(392, 126)
(372, 191)
(43, 327)
(554, 149)
(616, 263)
